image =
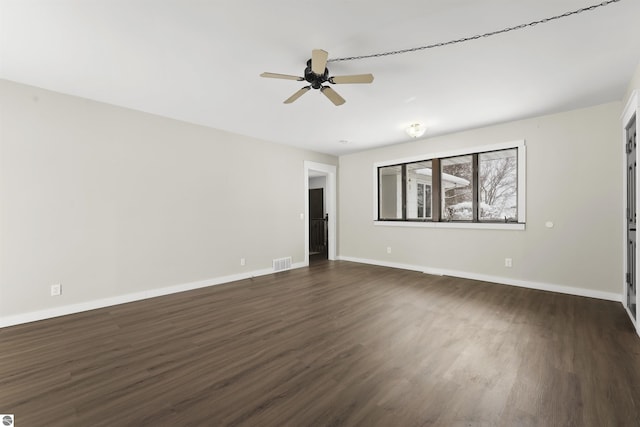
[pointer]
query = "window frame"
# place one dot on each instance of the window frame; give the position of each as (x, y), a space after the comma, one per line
(473, 162)
(403, 191)
(436, 221)
(479, 196)
(424, 182)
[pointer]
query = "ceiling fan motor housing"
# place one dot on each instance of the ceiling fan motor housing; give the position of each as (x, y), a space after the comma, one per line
(314, 79)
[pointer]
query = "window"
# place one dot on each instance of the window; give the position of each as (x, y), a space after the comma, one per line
(498, 185)
(390, 192)
(456, 188)
(419, 181)
(481, 187)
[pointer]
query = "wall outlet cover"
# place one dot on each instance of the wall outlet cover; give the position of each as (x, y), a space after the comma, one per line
(56, 290)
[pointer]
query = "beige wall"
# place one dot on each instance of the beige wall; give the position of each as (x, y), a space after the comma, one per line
(109, 201)
(574, 173)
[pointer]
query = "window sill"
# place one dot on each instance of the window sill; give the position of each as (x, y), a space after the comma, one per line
(471, 225)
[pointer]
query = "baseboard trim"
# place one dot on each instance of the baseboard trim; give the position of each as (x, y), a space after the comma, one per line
(35, 316)
(633, 320)
(562, 289)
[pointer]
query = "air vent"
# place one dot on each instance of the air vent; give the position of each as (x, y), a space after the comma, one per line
(281, 264)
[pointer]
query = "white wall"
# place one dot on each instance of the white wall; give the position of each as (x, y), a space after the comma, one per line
(109, 201)
(573, 179)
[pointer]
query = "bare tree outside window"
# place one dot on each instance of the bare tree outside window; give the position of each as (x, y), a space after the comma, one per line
(498, 185)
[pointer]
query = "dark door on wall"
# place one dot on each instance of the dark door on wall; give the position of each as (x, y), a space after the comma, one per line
(631, 216)
(317, 224)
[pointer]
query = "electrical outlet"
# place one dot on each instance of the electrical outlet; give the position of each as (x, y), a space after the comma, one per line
(508, 262)
(388, 249)
(56, 290)
(242, 261)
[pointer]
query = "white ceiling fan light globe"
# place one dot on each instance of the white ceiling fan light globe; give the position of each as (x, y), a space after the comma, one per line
(416, 130)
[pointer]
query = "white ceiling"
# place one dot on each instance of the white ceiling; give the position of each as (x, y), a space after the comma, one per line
(200, 60)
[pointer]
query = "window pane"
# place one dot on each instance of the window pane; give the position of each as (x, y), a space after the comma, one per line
(390, 192)
(456, 189)
(498, 185)
(419, 190)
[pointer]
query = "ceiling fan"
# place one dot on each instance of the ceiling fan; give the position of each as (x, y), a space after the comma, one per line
(317, 74)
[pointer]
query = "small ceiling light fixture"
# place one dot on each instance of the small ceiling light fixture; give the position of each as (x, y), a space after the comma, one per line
(416, 130)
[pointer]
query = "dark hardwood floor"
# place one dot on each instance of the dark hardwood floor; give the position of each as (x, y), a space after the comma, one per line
(335, 344)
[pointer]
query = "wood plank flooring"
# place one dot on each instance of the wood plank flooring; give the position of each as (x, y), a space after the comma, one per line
(335, 344)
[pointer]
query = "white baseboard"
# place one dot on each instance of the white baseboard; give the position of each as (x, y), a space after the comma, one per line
(633, 320)
(152, 293)
(35, 316)
(609, 296)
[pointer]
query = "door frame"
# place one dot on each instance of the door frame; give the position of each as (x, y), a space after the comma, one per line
(631, 109)
(328, 171)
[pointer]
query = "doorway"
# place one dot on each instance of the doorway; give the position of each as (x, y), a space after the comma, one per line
(320, 211)
(318, 218)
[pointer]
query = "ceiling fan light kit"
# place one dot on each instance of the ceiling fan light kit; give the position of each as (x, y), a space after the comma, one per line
(317, 74)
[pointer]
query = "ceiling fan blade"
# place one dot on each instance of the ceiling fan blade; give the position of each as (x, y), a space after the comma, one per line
(281, 76)
(332, 95)
(356, 78)
(318, 61)
(297, 95)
